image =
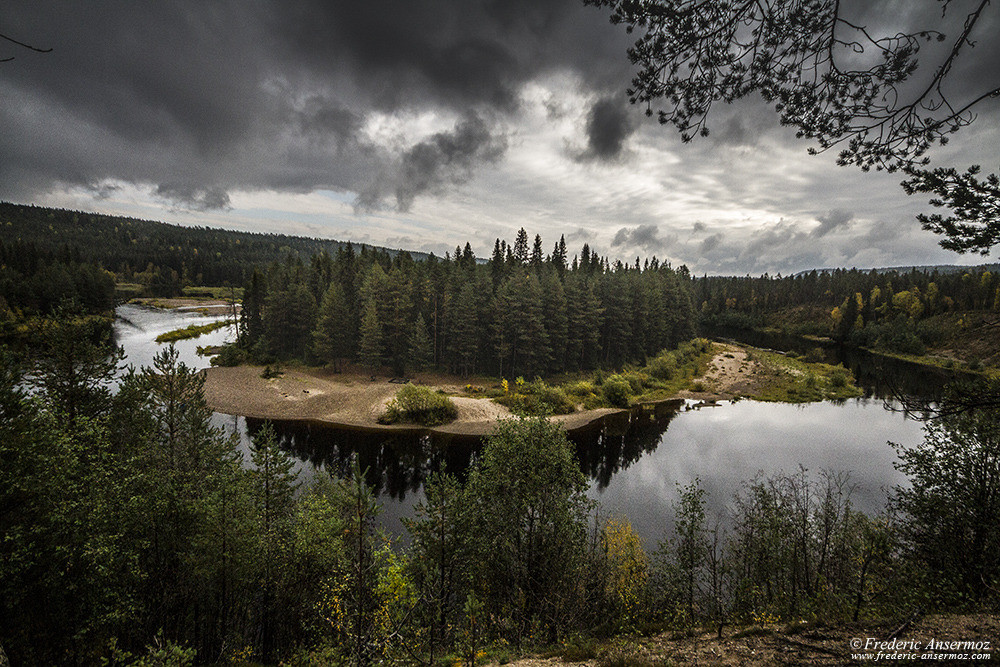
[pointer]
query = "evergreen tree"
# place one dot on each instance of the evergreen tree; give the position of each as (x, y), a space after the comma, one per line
(520, 251)
(370, 338)
(440, 561)
(421, 355)
(332, 335)
(537, 256)
(273, 489)
(466, 332)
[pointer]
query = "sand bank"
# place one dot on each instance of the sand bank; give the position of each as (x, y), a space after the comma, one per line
(347, 400)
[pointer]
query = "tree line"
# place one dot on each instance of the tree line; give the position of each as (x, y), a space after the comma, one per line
(136, 533)
(161, 257)
(890, 309)
(522, 312)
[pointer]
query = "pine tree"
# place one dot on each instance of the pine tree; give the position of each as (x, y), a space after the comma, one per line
(273, 488)
(332, 335)
(465, 334)
(537, 256)
(421, 346)
(370, 338)
(521, 247)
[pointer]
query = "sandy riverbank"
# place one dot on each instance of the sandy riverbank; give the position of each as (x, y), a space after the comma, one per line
(356, 401)
(347, 400)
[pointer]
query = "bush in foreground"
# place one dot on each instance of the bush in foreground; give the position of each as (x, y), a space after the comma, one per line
(419, 405)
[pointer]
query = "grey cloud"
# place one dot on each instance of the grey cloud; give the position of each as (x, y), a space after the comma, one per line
(834, 219)
(698, 227)
(446, 158)
(711, 243)
(608, 128)
(643, 236)
(324, 118)
(193, 198)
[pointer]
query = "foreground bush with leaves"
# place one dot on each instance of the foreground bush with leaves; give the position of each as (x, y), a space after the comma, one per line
(419, 405)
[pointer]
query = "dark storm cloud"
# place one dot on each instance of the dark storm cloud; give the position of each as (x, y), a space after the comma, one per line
(195, 100)
(608, 127)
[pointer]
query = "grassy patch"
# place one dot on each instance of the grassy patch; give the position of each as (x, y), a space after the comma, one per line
(419, 405)
(213, 293)
(662, 377)
(789, 380)
(191, 331)
(537, 398)
(937, 361)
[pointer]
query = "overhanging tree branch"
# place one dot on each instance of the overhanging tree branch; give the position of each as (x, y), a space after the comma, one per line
(835, 79)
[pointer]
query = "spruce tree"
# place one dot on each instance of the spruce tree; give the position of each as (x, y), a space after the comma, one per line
(421, 346)
(370, 338)
(332, 335)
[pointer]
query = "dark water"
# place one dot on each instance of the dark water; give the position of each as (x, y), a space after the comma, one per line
(634, 461)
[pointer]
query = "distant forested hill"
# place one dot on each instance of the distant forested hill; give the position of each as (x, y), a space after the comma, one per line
(128, 246)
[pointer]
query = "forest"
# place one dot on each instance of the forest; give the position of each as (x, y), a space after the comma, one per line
(891, 310)
(136, 533)
(522, 313)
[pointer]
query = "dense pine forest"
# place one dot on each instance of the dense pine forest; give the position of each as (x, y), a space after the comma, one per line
(160, 257)
(522, 313)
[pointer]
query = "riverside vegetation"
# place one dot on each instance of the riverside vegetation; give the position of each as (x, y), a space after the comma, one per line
(135, 532)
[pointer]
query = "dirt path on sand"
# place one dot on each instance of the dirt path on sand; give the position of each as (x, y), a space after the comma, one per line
(731, 373)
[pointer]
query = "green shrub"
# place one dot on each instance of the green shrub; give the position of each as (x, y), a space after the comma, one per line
(229, 355)
(419, 405)
(814, 355)
(617, 391)
(636, 380)
(554, 397)
(663, 366)
(838, 378)
(581, 389)
(271, 372)
(538, 399)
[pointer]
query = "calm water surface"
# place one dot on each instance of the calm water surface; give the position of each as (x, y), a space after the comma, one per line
(634, 464)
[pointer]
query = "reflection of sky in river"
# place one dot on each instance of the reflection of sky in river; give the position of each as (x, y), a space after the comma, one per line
(137, 328)
(727, 445)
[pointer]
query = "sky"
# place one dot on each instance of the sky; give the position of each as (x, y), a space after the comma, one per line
(424, 124)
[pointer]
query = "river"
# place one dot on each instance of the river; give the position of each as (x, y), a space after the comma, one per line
(634, 462)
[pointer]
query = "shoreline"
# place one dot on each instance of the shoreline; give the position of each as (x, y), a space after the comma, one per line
(352, 402)
(355, 401)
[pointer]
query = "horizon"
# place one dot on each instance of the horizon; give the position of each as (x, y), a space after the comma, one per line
(573, 255)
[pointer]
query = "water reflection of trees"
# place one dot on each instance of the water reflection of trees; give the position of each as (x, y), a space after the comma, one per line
(397, 464)
(621, 440)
